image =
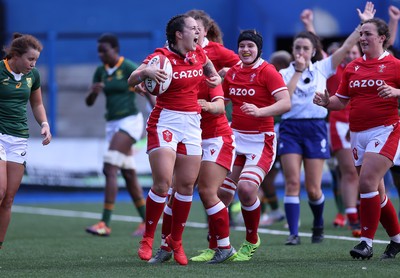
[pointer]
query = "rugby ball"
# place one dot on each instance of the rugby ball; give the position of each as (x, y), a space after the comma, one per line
(161, 62)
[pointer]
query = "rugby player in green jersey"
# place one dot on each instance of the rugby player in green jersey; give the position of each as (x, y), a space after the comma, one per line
(124, 127)
(19, 83)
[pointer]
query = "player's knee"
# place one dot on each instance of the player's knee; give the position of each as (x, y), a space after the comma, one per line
(129, 174)
(114, 158)
(314, 193)
(247, 191)
(129, 163)
(160, 189)
(7, 202)
(2, 193)
(110, 170)
(205, 193)
(292, 185)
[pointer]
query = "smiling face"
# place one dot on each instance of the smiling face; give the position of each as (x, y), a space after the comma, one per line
(247, 51)
(26, 62)
(370, 41)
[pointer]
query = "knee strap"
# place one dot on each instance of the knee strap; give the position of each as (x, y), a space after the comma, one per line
(252, 174)
(115, 158)
(129, 163)
(229, 186)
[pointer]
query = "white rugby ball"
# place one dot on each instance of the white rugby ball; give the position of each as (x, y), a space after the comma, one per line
(161, 62)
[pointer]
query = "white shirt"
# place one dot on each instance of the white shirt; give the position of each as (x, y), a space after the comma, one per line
(312, 79)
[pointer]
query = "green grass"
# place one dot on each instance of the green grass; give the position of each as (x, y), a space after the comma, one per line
(55, 246)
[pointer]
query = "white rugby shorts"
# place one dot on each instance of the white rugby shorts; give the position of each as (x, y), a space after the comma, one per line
(383, 140)
(13, 148)
(132, 125)
(220, 150)
(167, 128)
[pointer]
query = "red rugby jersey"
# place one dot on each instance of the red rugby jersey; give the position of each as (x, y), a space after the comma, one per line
(359, 83)
(181, 94)
(332, 85)
(256, 85)
(216, 125)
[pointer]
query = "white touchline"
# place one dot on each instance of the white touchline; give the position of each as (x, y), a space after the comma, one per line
(125, 218)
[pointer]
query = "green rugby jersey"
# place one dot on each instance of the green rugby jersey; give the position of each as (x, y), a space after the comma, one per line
(120, 100)
(14, 96)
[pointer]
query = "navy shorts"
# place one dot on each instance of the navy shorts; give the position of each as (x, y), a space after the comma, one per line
(307, 137)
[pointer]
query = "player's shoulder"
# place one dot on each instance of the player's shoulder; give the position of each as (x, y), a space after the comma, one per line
(356, 63)
(220, 48)
(216, 45)
(264, 65)
(129, 64)
(128, 61)
(235, 68)
(200, 51)
(159, 51)
(162, 50)
(393, 59)
(35, 72)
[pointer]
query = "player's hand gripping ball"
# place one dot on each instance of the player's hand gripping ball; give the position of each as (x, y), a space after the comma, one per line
(161, 62)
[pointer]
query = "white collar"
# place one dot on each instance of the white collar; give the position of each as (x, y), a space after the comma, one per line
(205, 42)
(17, 76)
(256, 65)
(383, 55)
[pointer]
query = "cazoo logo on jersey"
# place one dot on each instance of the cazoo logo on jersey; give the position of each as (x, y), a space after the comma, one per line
(187, 74)
(365, 83)
(241, 92)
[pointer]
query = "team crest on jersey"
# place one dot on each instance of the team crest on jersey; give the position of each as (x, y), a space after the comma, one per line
(167, 136)
(381, 68)
(252, 77)
(253, 156)
(356, 68)
(174, 61)
(119, 75)
(212, 151)
(191, 60)
(376, 144)
(29, 82)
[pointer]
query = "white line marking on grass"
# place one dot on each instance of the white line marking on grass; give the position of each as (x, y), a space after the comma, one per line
(71, 213)
(125, 218)
(278, 232)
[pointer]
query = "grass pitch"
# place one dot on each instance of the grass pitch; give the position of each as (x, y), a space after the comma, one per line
(51, 242)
